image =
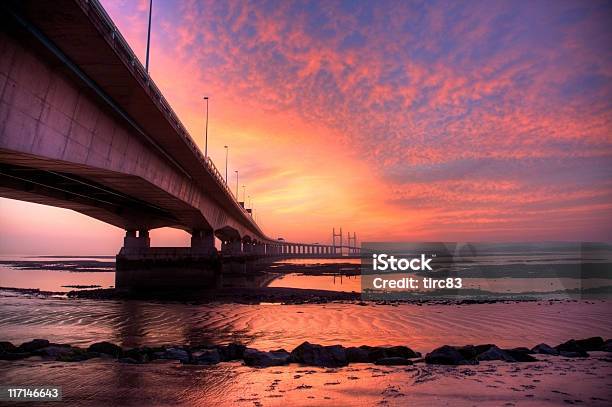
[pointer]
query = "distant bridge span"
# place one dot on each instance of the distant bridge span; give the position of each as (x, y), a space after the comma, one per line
(83, 127)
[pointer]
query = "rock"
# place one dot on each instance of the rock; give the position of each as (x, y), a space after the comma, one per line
(394, 361)
(14, 355)
(447, 355)
(572, 354)
(401, 352)
(106, 348)
(55, 351)
(607, 346)
(140, 355)
(591, 344)
(130, 361)
(254, 357)
(374, 352)
(233, 351)
(206, 357)
(571, 347)
(176, 354)
(523, 349)
(470, 352)
(544, 349)
(495, 353)
(7, 347)
(521, 354)
(33, 345)
(77, 356)
(357, 355)
(317, 355)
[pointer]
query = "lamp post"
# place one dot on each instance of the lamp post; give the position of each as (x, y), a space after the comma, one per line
(226, 154)
(149, 35)
(236, 171)
(206, 130)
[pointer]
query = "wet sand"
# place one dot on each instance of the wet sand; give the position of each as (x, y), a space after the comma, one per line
(273, 326)
(543, 383)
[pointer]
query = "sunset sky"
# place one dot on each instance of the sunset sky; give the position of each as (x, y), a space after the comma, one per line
(479, 120)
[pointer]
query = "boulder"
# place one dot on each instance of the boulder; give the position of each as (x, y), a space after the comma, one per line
(141, 354)
(54, 351)
(254, 357)
(233, 351)
(14, 355)
(470, 352)
(357, 355)
(573, 354)
(7, 347)
(372, 353)
(393, 361)
(447, 355)
(78, 355)
(130, 361)
(401, 352)
(176, 354)
(318, 355)
(571, 349)
(206, 357)
(607, 346)
(33, 345)
(544, 349)
(106, 348)
(521, 354)
(591, 344)
(495, 353)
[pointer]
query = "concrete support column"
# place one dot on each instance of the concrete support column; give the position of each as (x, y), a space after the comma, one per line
(202, 242)
(131, 241)
(231, 247)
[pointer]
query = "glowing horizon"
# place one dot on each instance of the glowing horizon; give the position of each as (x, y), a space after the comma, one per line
(397, 121)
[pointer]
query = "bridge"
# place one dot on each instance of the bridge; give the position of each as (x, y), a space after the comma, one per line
(84, 127)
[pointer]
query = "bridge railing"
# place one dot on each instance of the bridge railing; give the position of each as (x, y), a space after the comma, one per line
(105, 24)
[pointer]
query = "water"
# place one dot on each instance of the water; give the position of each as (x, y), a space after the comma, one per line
(263, 326)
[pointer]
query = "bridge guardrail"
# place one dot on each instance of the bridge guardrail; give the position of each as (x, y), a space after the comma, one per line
(125, 52)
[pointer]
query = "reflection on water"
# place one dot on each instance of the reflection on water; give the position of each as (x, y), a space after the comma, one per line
(53, 280)
(336, 282)
(132, 323)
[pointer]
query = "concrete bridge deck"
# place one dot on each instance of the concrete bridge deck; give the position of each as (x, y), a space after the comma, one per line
(84, 127)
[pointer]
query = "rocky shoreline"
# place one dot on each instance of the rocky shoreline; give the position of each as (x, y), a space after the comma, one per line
(282, 295)
(306, 354)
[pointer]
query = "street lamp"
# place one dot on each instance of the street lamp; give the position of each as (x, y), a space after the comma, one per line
(206, 130)
(236, 171)
(149, 35)
(226, 154)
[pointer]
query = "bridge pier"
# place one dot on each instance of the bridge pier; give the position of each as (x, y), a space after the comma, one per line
(203, 242)
(231, 247)
(132, 242)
